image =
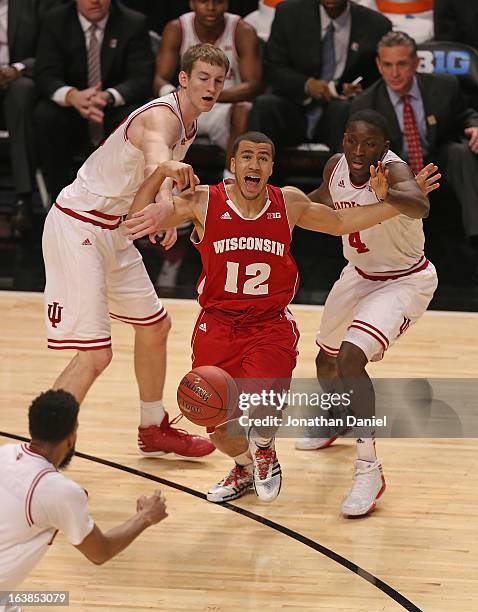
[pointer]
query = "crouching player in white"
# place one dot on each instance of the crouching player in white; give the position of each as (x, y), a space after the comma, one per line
(386, 286)
(37, 500)
(93, 272)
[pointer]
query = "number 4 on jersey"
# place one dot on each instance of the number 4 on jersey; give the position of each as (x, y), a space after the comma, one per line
(356, 243)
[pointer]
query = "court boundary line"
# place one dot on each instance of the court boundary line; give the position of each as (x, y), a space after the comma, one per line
(298, 537)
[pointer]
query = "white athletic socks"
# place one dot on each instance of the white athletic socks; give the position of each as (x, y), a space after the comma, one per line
(366, 449)
(152, 413)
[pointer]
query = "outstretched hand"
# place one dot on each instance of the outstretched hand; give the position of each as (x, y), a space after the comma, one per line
(379, 180)
(428, 178)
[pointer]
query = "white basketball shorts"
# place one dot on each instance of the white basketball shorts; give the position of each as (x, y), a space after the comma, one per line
(372, 314)
(93, 272)
(216, 124)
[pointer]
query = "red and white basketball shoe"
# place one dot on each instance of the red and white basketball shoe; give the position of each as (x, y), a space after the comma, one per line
(368, 485)
(157, 440)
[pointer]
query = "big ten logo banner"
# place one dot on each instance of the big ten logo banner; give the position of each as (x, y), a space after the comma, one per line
(441, 61)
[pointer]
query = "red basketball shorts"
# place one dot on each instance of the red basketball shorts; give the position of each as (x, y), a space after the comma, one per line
(263, 350)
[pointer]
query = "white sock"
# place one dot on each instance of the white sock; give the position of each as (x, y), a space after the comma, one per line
(244, 459)
(152, 413)
(366, 449)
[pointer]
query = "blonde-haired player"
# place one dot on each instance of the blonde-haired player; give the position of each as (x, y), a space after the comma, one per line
(386, 286)
(93, 272)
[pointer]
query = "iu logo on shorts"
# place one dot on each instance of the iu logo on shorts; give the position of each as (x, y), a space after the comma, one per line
(54, 313)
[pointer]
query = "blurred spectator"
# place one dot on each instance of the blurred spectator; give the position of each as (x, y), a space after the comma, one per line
(415, 17)
(428, 121)
(315, 52)
(457, 21)
(19, 28)
(261, 20)
(208, 22)
(94, 66)
(161, 12)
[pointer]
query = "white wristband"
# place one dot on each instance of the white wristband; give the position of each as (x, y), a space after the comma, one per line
(166, 89)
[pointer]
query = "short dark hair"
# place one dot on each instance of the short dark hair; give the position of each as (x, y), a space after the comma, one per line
(53, 416)
(373, 118)
(398, 39)
(257, 137)
(207, 53)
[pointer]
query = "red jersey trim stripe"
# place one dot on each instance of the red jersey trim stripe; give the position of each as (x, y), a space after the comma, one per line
(81, 341)
(327, 350)
(28, 451)
(334, 170)
(28, 500)
(82, 216)
(383, 276)
(137, 113)
(139, 320)
(371, 333)
(373, 328)
(194, 130)
(79, 348)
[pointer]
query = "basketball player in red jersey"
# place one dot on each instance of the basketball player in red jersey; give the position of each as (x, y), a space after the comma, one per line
(386, 287)
(243, 233)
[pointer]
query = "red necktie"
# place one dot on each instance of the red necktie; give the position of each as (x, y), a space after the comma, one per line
(412, 136)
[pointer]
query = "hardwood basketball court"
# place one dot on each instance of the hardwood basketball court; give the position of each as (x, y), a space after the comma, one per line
(417, 551)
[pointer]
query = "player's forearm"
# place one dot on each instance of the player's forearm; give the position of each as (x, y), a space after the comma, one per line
(120, 537)
(147, 192)
(411, 204)
(352, 220)
(239, 93)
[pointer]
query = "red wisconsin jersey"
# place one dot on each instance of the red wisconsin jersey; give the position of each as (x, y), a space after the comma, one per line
(247, 265)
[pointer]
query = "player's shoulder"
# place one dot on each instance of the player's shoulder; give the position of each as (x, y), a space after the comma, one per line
(293, 194)
(245, 30)
(173, 32)
(331, 165)
(61, 487)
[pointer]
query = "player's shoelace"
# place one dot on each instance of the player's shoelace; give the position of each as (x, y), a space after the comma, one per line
(238, 472)
(179, 432)
(361, 484)
(264, 458)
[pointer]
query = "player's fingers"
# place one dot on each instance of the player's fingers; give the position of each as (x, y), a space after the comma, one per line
(373, 172)
(152, 238)
(191, 179)
(433, 187)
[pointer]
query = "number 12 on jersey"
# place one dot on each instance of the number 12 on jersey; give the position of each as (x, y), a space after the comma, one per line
(256, 285)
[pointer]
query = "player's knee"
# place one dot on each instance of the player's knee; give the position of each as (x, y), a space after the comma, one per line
(326, 366)
(96, 361)
(351, 361)
(154, 334)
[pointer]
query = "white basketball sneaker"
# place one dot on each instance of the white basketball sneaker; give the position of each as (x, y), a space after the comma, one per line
(308, 442)
(367, 487)
(234, 485)
(267, 471)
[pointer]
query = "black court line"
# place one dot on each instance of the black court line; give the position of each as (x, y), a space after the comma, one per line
(353, 567)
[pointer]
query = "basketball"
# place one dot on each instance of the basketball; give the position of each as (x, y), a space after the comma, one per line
(207, 396)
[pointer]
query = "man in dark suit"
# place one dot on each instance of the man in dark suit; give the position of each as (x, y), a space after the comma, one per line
(19, 28)
(94, 66)
(428, 120)
(456, 21)
(316, 51)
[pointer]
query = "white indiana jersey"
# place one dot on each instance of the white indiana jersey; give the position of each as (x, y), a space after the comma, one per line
(35, 502)
(394, 245)
(109, 179)
(226, 42)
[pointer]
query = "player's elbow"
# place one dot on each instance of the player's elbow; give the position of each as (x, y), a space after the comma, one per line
(421, 209)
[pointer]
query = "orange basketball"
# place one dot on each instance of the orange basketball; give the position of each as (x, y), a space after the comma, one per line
(207, 396)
